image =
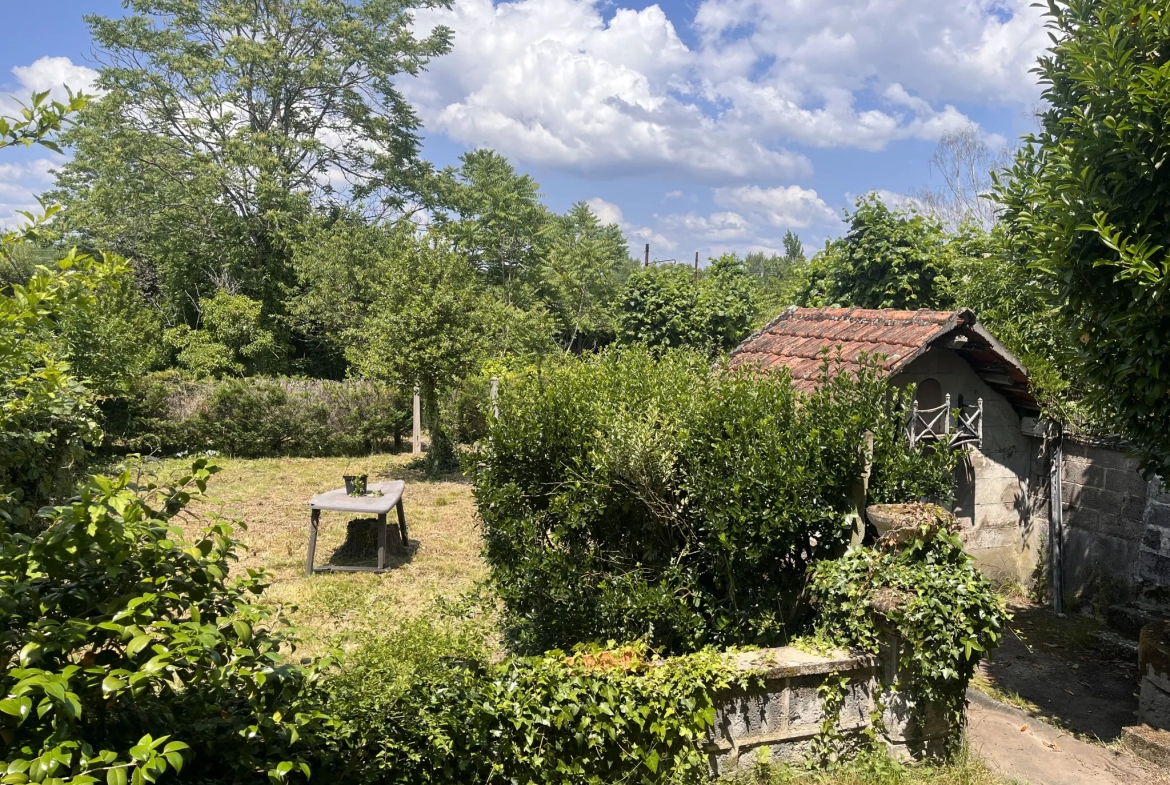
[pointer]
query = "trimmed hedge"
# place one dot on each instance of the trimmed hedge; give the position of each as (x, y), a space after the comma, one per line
(626, 496)
(259, 417)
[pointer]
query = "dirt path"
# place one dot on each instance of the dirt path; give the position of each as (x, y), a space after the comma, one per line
(1021, 748)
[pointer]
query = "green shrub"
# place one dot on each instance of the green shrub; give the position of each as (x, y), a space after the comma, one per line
(124, 651)
(628, 497)
(934, 596)
(47, 416)
(262, 417)
(595, 717)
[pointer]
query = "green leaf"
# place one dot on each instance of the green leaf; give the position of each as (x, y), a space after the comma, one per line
(112, 684)
(138, 644)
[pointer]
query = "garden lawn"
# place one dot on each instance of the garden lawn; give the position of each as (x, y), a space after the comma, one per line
(270, 495)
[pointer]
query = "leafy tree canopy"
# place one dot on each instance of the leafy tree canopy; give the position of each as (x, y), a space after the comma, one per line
(226, 121)
(887, 259)
(1087, 203)
(586, 266)
(670, 306)
(500, 218)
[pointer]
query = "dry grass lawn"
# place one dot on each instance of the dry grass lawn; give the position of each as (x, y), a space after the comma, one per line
(269, 495)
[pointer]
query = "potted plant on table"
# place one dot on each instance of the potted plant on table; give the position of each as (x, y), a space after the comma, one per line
(355, 484)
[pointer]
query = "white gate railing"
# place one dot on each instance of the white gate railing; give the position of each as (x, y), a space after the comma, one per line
(936, 424)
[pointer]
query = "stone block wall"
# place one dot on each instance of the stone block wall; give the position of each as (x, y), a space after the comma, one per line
(780, 719)
(1116, 524)
(1154, 557)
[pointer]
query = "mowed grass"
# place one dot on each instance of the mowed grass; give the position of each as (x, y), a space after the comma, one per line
(270, 496)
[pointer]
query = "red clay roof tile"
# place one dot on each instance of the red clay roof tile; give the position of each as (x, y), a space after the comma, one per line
(798, 337)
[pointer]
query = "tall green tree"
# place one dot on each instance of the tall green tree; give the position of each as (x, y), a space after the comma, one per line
(500, 222)
(888, 259)
(669, 306)
(586, 265)
(429, 332)
(1088, 203)
(793, 248)
(225, 122)
(778, 275)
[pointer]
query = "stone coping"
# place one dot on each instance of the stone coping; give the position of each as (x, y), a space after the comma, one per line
(788, 661)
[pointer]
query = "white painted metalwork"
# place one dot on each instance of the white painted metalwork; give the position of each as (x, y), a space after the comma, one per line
(936, 424)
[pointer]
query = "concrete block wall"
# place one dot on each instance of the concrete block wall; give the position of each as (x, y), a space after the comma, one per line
(1116, 524)
(779, 719)
(1154, 556)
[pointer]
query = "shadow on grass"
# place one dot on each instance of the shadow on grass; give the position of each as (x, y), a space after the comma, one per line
(360, 547)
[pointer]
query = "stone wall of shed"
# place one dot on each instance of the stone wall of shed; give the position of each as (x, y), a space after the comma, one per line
(1116, 524)
(1001, 486)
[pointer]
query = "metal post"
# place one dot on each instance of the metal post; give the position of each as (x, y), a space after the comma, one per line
(416, 438)
(696, 265)
(1056, 518)
(314, 525)
(496, 397)
(979, 401)
(647, 262)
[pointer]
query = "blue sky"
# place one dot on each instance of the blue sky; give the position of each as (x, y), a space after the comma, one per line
(704, 126)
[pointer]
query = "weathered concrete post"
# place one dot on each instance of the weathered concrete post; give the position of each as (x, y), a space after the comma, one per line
(1151, 739)
(416, 437)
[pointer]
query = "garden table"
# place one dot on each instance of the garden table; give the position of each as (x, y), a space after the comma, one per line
(369, 503)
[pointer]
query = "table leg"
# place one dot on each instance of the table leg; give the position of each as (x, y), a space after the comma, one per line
(402, 526)
(382, 541)
(314, 522)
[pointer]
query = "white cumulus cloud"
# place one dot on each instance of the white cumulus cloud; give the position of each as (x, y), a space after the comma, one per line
(636, 236)
(597, 91)
(21, 176)
(790, 207)
(55, 73)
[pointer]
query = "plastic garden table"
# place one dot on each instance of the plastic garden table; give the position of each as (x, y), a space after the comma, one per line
(371, 504)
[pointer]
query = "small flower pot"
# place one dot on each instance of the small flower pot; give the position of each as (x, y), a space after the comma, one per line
(355, 484)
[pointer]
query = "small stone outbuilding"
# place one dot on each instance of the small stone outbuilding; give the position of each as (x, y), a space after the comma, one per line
(1001, 487)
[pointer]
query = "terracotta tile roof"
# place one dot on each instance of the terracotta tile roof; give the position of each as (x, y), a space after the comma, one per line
(796, 338)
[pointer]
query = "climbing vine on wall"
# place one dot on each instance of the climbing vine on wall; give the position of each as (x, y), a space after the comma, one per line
(932, 595)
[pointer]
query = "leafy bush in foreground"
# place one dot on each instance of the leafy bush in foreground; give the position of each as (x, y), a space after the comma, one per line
(628, 497)
(47, 416)
(125, 654)
(594, 717)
